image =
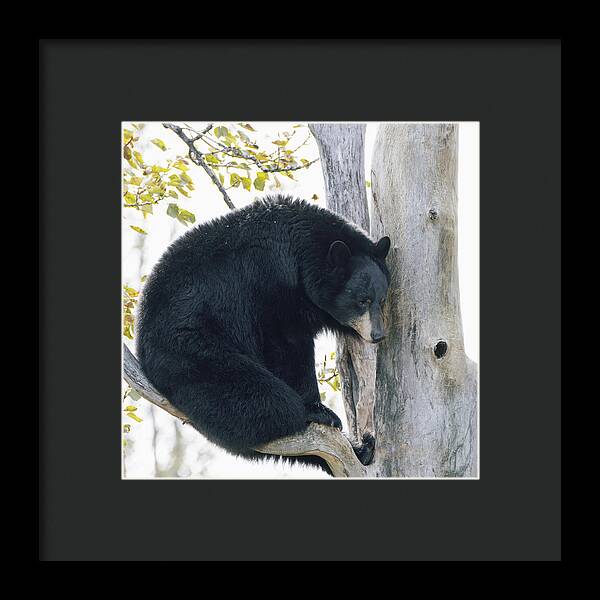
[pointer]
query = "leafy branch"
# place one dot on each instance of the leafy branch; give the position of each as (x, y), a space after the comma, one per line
(146, 185)
(222, 142)
(226, 152)
(196, 157)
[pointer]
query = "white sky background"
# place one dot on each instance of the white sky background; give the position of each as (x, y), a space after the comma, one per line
(150, 443)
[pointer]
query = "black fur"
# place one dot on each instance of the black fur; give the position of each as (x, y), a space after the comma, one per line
(229, 313)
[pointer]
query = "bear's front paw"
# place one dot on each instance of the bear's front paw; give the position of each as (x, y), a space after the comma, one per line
(319, 413)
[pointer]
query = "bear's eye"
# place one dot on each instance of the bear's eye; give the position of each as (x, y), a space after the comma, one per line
(365, 301)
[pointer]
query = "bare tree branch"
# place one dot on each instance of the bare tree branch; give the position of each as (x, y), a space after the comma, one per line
(133, 375)
(317, 440)
(320, 440)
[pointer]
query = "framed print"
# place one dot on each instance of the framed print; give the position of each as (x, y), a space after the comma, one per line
(271, 298)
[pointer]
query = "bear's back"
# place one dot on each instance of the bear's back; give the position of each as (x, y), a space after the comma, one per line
(235, 265)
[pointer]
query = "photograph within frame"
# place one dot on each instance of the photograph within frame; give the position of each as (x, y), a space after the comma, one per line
(236, 164)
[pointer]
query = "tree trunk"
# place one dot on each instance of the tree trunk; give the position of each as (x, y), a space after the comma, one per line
(425, 387)
(341, 148)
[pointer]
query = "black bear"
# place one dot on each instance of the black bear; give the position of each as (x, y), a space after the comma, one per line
(229, 313)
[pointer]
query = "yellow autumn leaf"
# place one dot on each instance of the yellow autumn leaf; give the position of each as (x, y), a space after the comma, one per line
(135, 417)
(130, 291)
(158, 142)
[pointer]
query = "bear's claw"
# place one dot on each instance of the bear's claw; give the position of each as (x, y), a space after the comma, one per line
(319, 413)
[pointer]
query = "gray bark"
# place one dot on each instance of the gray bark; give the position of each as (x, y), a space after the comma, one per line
(426, 415)
(135, 377)
(341, 148)
(425, 407)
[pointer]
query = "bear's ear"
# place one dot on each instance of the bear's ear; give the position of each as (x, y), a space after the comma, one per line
(382, 247)
(339, 254)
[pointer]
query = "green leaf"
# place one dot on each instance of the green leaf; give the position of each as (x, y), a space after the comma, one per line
(221, 131)
(280, 142)
(158, 142)
(230, 139)
(129, 198)
(173, 210)
(138, 229)
(247, 183)
(247, 126)
(259, 183)
(331, 385)
(186, 217)
(134, 395)
(180, 165)
(234, 179)
(135, 417)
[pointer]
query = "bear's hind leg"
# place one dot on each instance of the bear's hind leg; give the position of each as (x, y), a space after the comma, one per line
(238, 404)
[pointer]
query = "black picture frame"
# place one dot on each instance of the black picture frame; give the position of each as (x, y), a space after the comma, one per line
(87, 87)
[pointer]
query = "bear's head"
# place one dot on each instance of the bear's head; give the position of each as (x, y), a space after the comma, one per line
(361, 285)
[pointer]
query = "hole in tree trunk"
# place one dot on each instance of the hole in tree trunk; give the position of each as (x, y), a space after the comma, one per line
(440, 349)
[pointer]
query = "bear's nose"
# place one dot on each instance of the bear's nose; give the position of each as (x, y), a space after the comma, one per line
(377, 338)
